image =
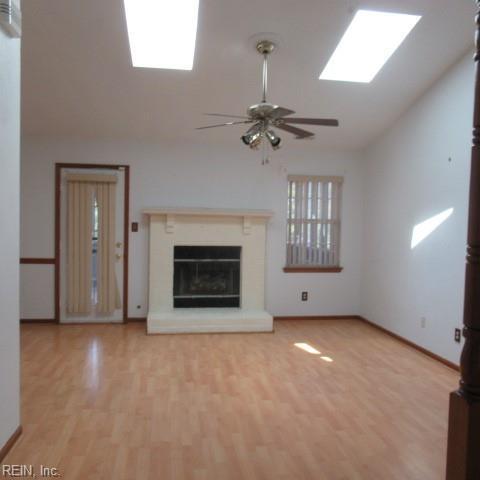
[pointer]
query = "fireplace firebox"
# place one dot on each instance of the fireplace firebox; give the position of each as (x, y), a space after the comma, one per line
(206, 276)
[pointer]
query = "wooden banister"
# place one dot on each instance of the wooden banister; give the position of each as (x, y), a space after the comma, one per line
(463, 456)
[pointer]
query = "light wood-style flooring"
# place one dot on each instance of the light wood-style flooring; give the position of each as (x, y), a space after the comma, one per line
(109, 402)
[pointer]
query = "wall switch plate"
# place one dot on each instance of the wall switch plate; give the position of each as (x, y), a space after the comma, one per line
(304, 296)
(423, 322)
(134, 226)
(458, 335)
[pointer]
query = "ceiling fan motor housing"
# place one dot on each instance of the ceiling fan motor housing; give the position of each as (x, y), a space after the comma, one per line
(261, 111)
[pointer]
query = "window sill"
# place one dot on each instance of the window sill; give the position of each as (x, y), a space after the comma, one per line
(301, 269)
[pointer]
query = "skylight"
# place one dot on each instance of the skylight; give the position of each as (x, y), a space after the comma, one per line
(162, 33)
(368, 43)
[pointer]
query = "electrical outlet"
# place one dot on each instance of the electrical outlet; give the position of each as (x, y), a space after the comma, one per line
(458, 335)
(423, 322)
(304, 296)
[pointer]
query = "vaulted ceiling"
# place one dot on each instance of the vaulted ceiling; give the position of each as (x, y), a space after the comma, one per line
(78, 79)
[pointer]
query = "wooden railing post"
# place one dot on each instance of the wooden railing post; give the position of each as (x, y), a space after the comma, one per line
(463, 457)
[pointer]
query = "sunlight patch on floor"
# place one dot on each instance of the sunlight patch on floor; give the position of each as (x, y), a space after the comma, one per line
(307, 348)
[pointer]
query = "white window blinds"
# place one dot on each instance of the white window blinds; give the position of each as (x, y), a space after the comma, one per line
(313, 226)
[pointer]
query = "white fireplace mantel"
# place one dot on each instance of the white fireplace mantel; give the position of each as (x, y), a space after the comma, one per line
(208, 212)
(171, 226)
(172, 214)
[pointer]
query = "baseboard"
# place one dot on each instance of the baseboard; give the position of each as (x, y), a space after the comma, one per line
(430, 354)
(136, 319)
(52, 320)
(89, 324)
(10, 442)
(38, 320)
(316, 317)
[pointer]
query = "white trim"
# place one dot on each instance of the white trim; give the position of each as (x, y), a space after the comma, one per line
(170, 223)
(208, 212)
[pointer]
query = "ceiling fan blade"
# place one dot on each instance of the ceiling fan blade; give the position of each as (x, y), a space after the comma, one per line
(223, 115)
(279, 112)
(298, 132)
(326, 122)
(224, 125)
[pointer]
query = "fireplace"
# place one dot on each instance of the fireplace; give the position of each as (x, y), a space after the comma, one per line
(207, 270)
(206, 277)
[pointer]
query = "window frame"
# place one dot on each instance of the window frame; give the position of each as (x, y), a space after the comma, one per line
(319, 218)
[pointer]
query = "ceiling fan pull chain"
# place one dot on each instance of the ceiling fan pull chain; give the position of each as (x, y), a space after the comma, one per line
(265, 159)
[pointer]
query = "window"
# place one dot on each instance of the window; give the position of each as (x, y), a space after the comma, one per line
(313, 226)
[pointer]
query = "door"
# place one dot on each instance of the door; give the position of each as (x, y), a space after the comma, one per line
(95, 225)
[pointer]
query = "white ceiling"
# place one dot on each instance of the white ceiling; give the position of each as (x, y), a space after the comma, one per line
(78, 79)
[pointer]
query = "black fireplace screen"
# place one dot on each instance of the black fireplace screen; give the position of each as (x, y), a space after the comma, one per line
(206, 277)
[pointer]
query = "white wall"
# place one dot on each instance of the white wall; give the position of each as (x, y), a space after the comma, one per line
(403, 179)
(204, 175)
(408, 179)
(9, 238)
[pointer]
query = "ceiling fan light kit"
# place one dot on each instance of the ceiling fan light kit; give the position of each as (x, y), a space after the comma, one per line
(275, 141)
(265, 116)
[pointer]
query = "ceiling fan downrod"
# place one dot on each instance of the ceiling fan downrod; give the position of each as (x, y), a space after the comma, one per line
(265, 48)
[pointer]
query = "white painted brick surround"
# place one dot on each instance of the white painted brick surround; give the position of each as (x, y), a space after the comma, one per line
(170, 227)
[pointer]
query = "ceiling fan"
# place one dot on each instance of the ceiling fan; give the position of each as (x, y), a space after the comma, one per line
(265, 116)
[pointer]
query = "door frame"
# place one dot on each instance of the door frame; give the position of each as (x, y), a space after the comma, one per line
(126, 221)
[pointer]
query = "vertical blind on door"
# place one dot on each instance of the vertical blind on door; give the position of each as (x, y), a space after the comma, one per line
(313, 224)
(82, 189)
(108, 293)
(79, 247)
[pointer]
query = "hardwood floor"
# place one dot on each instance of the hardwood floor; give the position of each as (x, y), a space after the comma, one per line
(109, 402)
